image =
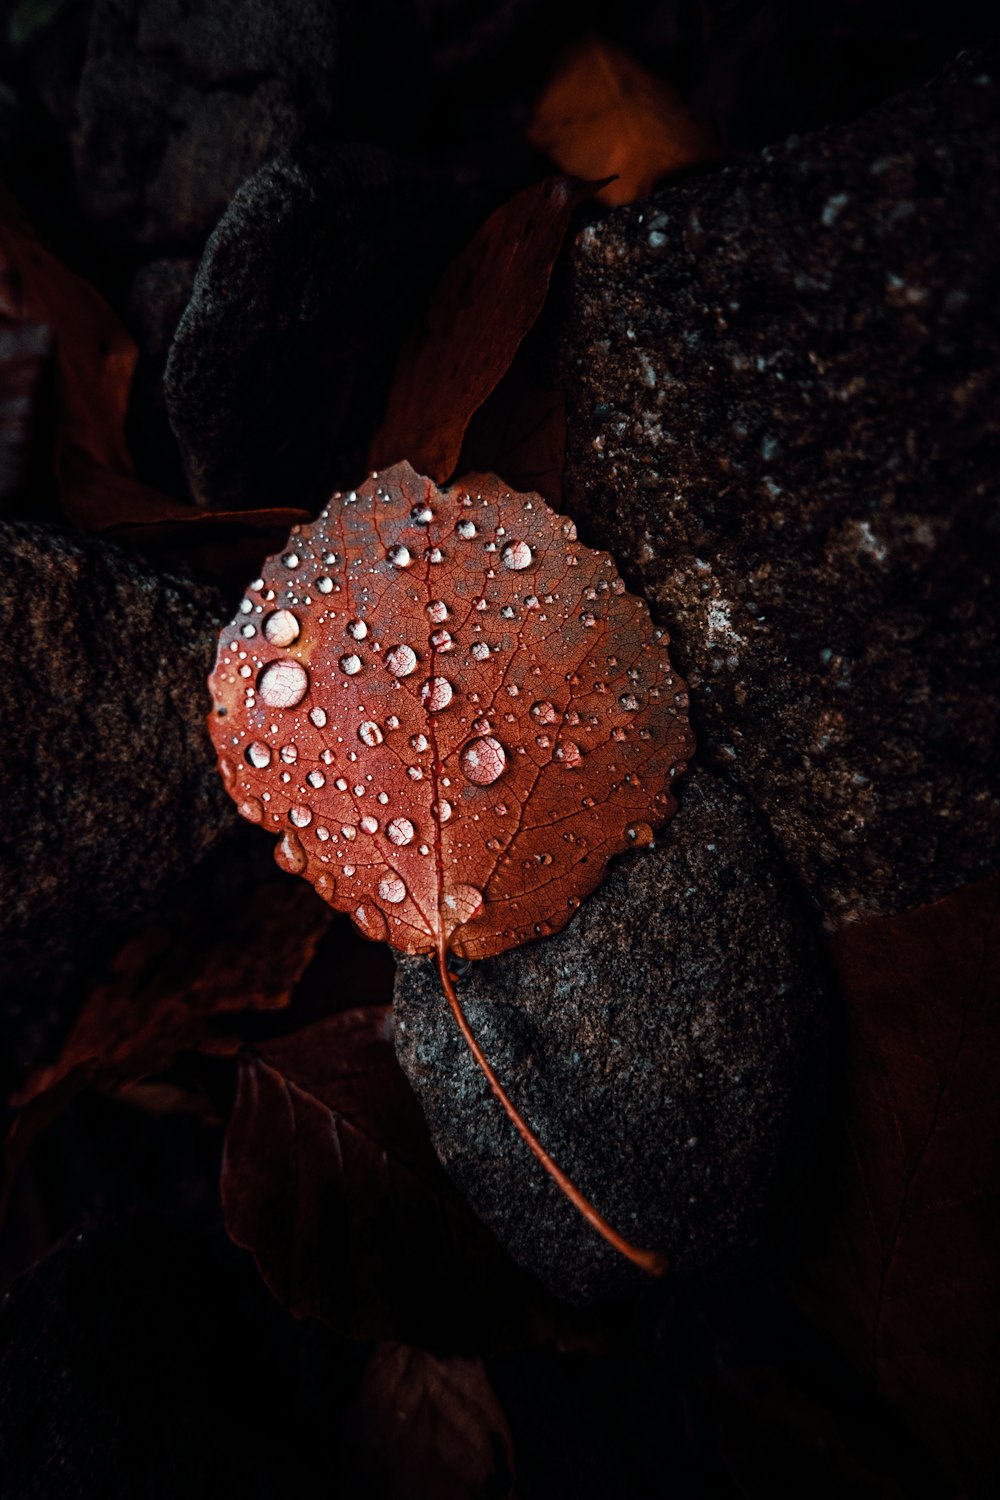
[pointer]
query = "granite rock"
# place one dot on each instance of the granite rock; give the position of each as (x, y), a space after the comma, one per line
(305, 292)
(667, 1048)
(111, 788)
(783, 386)
(178, 104)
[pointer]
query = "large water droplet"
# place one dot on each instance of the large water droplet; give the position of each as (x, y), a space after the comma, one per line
(544, 712)
(371, 921)
(289, 754)
(289, 854)
(401, 660)
(351, 665)
(325, 585)
(281, 628)
(400, 831)
(639, 834)
(516, 555)
(568, 753)
(316, 779)
(442, 641)
(259, 754)
(291, 559)
(369, 825)
(318, 717)
(392, 889)
(466, 529)
(369, 733)
(357, 630)
(629, 702)
(462, 904)
(438, 611)
(419, 741)
(400, 556)
(483, 761)
(442, 811)
(283, 684)
(301, 816)
(481, 651)
(436, 694)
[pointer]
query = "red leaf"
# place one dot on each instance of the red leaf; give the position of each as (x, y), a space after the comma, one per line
(167, 983)
(907, 1284)
(419, 1426)
(329, 1177)
(95, 358)
(601, 114)
(485, 304)
(450, 711)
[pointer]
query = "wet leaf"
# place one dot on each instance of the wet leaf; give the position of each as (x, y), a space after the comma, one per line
(601, 113)
(486, 302)
(907, 1284)
(449, 711)
(167, 984)
(420, 1426)
(330, 1178)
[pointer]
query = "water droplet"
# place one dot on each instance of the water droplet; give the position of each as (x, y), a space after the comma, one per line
(252, 809)
(316, 779)
(369, 825)
(400, 831)
(301, 816)
(369, 733)
(401, 660)
(415, 773)
(289, 754)
(639, 834)
(442, 811)
(421, 515)
(371, 921)
(483, 761)
(289, 854)
(466, 529)
(281, 628)
(400, 556)
(463, 903)
(436, 694)
(351, 664)
(438, 611)
(259, 755)
(349, 831)
(544, 712)
(325, 585)
(246, 605)
(435, 555)
(340, 784)
(357, 630)
(283, 684)
(291, 559)
(516, 555)
(392, 889)
(419, 741)
(568, 753)
(442, 641)
(318, 717)
(629, 702)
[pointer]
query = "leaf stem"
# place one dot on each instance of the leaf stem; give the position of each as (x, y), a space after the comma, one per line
(648, 1260)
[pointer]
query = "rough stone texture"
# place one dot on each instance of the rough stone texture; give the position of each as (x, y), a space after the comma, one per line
(784, 419)
(304, 294)
(110, 785)
(178, 104)
(666, 1047)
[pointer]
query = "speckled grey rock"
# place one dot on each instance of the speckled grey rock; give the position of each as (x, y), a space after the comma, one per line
(783, 386)
(307, 287)
(110, 786)
(179, 103)
(667, 1048)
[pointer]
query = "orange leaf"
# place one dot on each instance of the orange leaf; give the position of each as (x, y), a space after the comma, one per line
(907, 1284)
(486, 302)
(602, 114)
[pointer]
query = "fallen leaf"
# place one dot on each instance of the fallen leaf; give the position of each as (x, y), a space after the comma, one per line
(450, 711)
(486, 302)
(167, 984)
(602, 114)
(907, 1283)
(330, 1178)
(520, 432)
(94, 356)
(478, 716)
(419, 1426)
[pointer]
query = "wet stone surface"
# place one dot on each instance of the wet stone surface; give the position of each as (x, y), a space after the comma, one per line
(783, 388)
(666, 1047)
(110, 783)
